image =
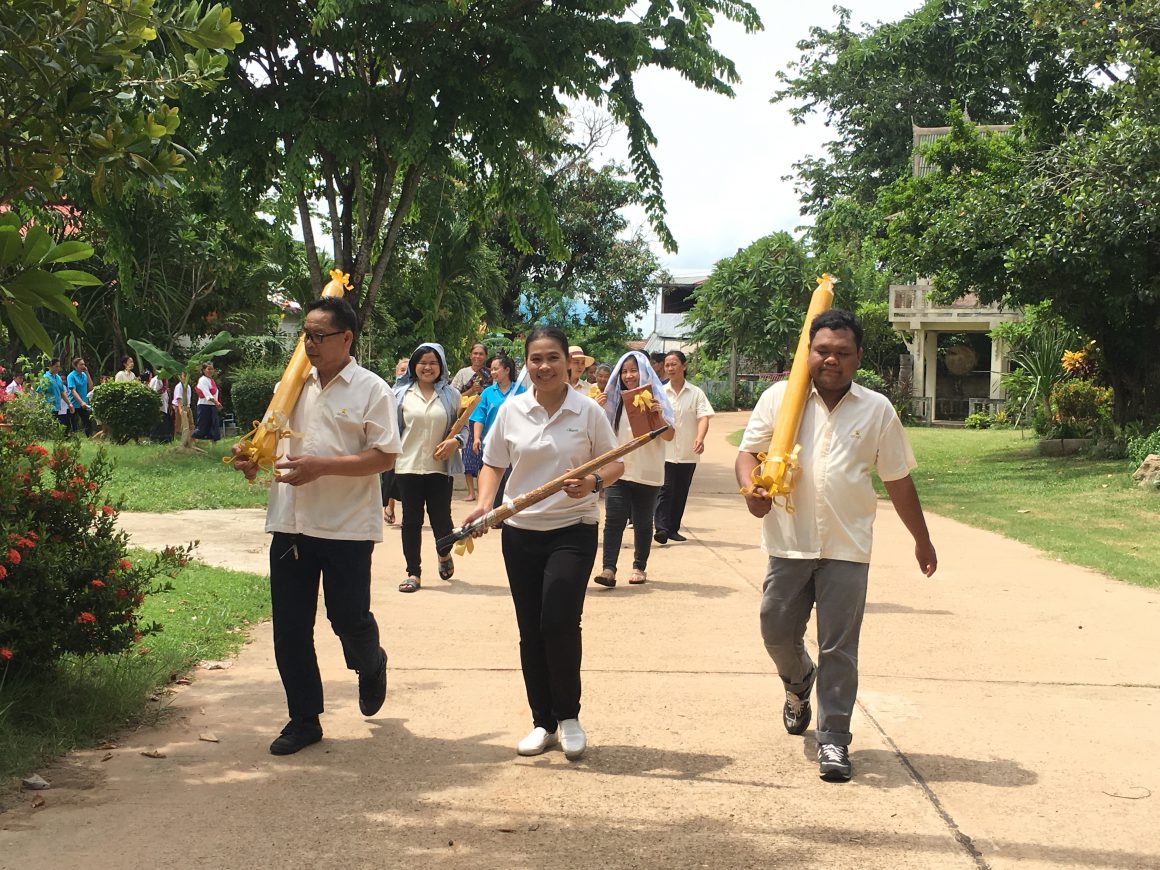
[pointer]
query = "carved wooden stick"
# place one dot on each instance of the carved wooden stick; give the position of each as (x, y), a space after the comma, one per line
(505, 511)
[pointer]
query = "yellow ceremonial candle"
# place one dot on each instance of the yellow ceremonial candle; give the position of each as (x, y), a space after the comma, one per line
(775, 474)
(262, 442)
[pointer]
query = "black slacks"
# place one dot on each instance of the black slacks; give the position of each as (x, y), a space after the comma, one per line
(296, 563)
(548, 576)
(415, 492)
(674, 495)
(622, 500)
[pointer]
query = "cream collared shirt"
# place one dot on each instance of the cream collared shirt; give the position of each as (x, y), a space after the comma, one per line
(354, 412)
(540, 448)
(425, 425)
(645, 464)
(689, 406)
(834, 497)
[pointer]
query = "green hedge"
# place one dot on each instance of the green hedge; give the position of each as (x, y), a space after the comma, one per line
(250, 393)
(129, 409)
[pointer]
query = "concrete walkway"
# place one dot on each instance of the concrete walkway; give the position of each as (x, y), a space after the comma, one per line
(1009, 716)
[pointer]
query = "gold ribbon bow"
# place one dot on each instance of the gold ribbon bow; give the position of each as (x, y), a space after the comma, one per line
(644, 400)
(260, 451)
(341, 277)
(593, 391)
(464, 545)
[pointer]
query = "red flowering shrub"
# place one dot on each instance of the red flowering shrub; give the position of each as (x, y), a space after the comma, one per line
(66, 585)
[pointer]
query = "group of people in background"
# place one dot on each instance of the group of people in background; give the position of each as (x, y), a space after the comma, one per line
(651, 493)
(69, 396)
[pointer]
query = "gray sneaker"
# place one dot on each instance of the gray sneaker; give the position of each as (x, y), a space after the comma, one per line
(834, 763)
(796, 713)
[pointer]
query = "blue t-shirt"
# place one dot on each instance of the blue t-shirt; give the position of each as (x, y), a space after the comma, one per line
(55, 393)
(489, 401)
(78, 381)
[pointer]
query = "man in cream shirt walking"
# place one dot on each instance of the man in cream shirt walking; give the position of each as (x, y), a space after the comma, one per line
(820, 553)
(325, 516)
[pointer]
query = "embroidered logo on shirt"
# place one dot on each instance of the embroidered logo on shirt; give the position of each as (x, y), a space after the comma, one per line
(857, 433)
(342, 412)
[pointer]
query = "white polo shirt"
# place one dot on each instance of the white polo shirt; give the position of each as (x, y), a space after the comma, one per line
(689, 406)
(425, 425)
(540, 448)
(354, 412)
(834, 497)
(645, 464)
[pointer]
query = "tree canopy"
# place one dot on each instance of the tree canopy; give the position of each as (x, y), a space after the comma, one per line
(354, 103)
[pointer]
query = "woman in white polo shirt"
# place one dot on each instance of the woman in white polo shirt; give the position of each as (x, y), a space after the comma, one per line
(692, 410)
(429, 461)
(549, 548)
(635, 495)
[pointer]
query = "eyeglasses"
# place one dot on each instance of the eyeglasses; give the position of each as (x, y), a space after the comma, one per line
(319, 337)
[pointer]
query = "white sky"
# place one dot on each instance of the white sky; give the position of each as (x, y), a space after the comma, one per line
(722, 160)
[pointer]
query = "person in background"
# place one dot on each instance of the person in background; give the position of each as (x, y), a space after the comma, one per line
(588, 377)
(471, 381)
(16, 385)
(389, 489)
(126, 373)
(80, 387)
(164, 429)
(692, 410)
(503, 386)
(57, 394)
(578, 362)
(657, 359)
(430, 457)
(635, 494)
(603, 373)
(549, 548)
(181, 404)
(209, 421)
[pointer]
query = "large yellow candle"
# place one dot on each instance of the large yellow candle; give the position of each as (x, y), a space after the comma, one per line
(260, 443)
(777, 473)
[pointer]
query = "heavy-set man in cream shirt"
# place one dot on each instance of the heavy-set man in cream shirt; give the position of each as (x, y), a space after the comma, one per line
(820, 553)
(325, 517)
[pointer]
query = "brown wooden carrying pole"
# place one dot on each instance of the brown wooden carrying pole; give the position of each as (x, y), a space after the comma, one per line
(505, 511)
(461, 420)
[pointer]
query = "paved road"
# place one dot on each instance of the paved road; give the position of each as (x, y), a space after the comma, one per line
(1009, 716)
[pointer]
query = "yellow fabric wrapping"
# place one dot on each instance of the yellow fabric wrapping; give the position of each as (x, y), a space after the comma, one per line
(260, 443)
(777, 473)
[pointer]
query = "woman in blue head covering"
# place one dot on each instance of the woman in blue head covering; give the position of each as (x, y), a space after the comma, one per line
(635, 494)
(426, 468)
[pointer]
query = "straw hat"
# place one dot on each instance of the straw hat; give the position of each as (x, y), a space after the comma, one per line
(575, 352)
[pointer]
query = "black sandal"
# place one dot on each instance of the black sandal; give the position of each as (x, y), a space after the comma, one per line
(446, 568)
(411, 584)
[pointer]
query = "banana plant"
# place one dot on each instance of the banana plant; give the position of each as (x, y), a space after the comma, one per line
(28, 282)
(167, 366)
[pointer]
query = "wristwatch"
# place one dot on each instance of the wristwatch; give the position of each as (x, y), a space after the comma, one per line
(599, 485)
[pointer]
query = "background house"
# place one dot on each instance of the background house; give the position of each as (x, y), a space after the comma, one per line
(953, 365)
(673, 301)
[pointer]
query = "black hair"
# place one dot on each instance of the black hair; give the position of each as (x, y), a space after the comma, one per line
(125, 359)
(340, 311)
(55, 361)
(419, 353)
(679, 354)
(552, 333)
(620, 396)
(657, 356)
(204, 366)
(507, 362)
(836, 319)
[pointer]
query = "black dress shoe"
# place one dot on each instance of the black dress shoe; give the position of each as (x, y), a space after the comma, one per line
(678, 538)
(372, 687)
(296, 735)
(661, 537)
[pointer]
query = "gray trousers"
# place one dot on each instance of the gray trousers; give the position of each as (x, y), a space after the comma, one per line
(792, 586)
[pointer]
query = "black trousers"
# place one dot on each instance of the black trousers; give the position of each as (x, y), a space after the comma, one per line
(416, 491)
(296, 563)
(81, 418)
(387, 486)
(548, 575)
(674, 494)
(623, 499)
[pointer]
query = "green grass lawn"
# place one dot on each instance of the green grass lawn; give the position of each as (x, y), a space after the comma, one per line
(1083, 511)
(155, 478)
(84, 700)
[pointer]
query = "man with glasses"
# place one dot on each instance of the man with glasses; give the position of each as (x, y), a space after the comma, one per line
(325, 516)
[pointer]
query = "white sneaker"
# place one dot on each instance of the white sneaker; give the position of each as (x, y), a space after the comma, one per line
(573, 740)
(536, 742)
